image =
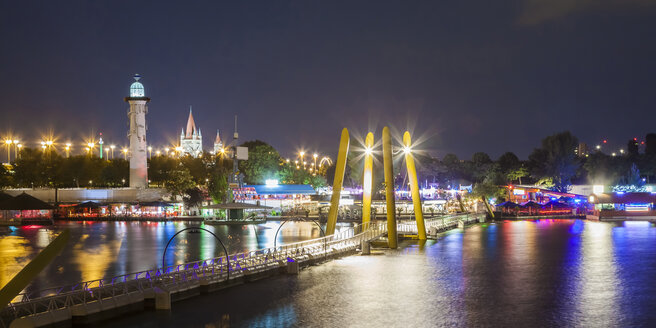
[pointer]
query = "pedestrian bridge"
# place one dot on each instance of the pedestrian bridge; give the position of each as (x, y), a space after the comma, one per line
(89, 301)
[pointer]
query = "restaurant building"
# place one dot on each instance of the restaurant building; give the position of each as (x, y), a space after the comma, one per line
(623, 206)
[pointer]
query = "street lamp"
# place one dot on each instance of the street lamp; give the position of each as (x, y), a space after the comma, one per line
(315, 155)
(8, 143)
(68, 149)
(90, 146)
(112, 150)
(125, 154)
(18, 149)
(158, 152)
(150, 151)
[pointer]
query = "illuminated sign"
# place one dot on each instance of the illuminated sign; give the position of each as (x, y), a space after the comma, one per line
(346, 201)
(598, 189)
(518, 191)
(637, 207)
(271, 182)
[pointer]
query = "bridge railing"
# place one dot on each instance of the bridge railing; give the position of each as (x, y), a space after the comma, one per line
(441, 223)
(217, 267)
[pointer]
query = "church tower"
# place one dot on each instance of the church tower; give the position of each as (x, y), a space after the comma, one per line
(191, 141)
(218, 144)
(137, 134)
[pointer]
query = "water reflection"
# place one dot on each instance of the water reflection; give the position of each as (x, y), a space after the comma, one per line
(541, 273)
(106, 249)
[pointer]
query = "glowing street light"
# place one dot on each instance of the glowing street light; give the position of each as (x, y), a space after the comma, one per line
(18, 149)
(407, 150)
(125, 154)
(150, 151)
(157, 152)
(8, 142)
(67, 148)
(111, 147)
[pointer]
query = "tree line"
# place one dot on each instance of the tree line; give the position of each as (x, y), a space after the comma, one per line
(188, 177)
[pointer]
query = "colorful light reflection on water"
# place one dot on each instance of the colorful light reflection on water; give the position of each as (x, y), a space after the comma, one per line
(543, 273)
(106, 249)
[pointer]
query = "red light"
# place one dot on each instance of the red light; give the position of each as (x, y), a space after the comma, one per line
(635, 139)
(604, 141)
(642, 143)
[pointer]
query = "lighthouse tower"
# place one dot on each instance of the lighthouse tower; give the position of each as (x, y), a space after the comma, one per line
(137, 134)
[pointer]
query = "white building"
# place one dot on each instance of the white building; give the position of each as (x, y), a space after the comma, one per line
(137, 134)
(191, 140)
(218, 144)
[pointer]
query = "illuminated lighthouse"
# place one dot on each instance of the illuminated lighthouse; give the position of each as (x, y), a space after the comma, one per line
(137, 134)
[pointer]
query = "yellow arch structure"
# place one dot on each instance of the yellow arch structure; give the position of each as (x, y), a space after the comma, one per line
(414, 186)
(368, 177)
(389, 189)
(340, 167)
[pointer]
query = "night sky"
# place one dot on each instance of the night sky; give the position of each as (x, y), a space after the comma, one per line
(474, 75)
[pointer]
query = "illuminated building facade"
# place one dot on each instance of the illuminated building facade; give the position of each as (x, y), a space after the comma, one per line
(191, 140)
(218, 144)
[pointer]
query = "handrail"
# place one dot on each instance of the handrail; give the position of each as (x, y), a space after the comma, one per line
(216, 269)
(282, 251)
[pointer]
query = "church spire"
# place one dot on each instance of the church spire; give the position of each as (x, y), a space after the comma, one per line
(218, 138)
(191, 126)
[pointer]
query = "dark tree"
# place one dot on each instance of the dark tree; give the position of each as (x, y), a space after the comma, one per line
(556, 160)
(508, 162)
(262, 164)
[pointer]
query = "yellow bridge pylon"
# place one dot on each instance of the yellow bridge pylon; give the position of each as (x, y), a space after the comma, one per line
(414, 186)
(367, 183)
(367, 177)
(392, 238)
(338, 181)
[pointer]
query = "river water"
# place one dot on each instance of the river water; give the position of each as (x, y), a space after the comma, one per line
(541, 273)
(107, 249)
